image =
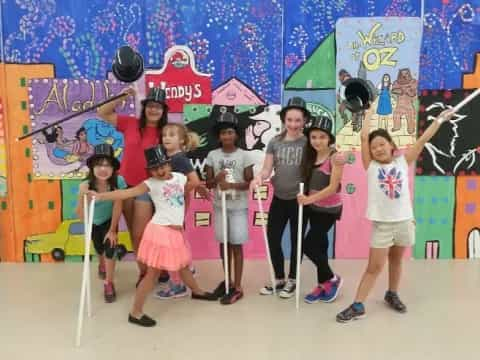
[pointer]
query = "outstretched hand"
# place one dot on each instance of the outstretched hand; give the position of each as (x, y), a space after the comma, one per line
(445, 115)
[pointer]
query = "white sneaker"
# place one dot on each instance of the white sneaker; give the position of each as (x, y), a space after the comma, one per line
(288, 290)
(268, 290)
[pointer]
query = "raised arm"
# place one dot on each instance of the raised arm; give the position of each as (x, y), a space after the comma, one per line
(107, 111)
(413, 152)
(365, 146)
(121, 194)
(211, 183)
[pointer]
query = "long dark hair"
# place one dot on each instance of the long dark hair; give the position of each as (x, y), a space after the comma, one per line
(142, 124)
(92, 181)
(309, 157)
(389, 82)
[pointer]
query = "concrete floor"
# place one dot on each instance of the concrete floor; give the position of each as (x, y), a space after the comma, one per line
(39, 304)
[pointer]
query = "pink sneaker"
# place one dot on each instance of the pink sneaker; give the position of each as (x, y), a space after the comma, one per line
(109, 292)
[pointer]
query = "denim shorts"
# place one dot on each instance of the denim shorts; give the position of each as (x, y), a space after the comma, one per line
(144, 197)
(237, 225)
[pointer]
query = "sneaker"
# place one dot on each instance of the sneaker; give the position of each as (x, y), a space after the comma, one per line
(220, 290)
(353, 312)
(145, 321)
(205, 296)
(326, 292)
(392, 299)
(232, 297)
(288, 290)
(174, 292)
(268, 290)
(109, 292)
(102, 273)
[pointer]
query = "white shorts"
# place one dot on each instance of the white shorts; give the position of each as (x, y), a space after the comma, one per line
(237, 225)
(388, 234)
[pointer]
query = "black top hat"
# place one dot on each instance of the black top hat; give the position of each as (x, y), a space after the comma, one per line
(103, 151)
(127, 65)
(295, 103)
(155, 157)
(226, 120)
(323, 123)
(156, 94)
(359, 94)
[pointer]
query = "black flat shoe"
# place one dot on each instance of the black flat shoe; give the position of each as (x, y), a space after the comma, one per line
(144, 321)
(219, 291)
(205, 296)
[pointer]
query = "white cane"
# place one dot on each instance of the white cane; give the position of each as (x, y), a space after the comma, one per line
(265, 238)
(466, 100)
(85, 290)
(87, 257)
(225, 242)
(299, 249)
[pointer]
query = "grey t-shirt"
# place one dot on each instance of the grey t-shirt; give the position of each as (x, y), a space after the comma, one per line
(287, 157)
(235, 163)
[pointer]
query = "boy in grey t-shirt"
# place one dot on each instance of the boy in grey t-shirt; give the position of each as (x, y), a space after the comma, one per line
(230, 169)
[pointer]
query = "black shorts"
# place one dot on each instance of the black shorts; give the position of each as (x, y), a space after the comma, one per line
(102, 246)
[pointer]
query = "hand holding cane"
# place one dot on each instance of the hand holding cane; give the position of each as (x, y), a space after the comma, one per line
(265, 238)
(299, 249)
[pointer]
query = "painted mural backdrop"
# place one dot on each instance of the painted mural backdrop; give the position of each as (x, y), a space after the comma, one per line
(80, 38)
(449, 33)
(3, 154)
(257, 54)
(384, 52)
(61, 151)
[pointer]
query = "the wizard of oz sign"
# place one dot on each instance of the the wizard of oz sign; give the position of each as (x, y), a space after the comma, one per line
(385, 52)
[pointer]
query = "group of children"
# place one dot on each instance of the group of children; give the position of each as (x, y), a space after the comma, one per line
(303, 152)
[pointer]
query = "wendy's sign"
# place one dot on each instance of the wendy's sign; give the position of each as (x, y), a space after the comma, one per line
(182, 82)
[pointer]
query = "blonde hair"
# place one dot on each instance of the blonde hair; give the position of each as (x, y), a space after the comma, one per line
(191, 140)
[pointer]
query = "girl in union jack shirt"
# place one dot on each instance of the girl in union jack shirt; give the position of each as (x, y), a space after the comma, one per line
(390, 210)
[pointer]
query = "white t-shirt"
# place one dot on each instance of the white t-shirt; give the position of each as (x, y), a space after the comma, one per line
(169, 199)
(388, 192)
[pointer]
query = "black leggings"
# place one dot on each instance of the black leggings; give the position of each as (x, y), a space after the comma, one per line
(101, 246)
(281, 211)
(315, 243)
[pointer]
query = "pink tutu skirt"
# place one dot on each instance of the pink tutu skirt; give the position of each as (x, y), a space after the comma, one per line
(164, 248)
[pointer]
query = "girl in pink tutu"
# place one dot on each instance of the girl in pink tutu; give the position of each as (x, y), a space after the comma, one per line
(163, 246)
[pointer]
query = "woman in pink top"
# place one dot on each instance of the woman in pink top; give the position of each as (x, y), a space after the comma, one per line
(139, 134)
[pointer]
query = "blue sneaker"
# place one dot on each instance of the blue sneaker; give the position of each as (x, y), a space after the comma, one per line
(173, 292)
(353, 312)
(326, 292)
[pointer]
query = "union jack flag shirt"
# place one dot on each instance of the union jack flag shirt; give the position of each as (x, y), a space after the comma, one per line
(388, 191)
